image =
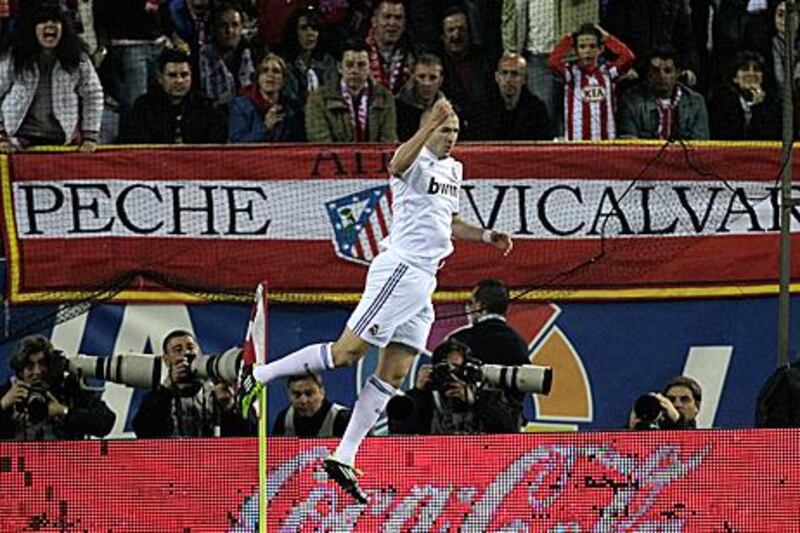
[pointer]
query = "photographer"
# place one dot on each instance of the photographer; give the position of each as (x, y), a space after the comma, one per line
(185, 406)
(493, 341)
(42, 403)
(676, 408)
(449, 398)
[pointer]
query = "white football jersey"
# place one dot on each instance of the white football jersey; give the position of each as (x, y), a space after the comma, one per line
(424, 202)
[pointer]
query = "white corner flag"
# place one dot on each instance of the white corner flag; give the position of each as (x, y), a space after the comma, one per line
(255, 344)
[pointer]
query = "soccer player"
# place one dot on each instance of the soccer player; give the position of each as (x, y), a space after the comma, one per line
(588, 83)
(395, 312)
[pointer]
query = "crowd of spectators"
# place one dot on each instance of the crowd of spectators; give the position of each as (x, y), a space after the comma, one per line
(85, 72)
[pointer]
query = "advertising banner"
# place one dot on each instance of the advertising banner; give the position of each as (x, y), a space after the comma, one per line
(644, 481)
(586, 219)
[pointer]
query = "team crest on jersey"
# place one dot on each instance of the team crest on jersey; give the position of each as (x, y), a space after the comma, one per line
(360, 221)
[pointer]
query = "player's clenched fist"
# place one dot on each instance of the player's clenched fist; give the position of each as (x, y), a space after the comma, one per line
(440, 111)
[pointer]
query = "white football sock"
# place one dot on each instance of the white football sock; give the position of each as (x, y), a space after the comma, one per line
(313, 358)
(368, 408)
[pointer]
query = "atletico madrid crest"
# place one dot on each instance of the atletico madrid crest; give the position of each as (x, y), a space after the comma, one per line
(360, 221)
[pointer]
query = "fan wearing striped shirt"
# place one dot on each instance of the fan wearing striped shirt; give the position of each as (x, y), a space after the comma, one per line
(589, 79)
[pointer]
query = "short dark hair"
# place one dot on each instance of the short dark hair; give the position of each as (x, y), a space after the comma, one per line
(492, 295)
(587, 29)
(665, 52)
(431, 60)
(174, 334)
(379, 3)
(218, 8)
(689, 383)
(741, 59)
(450, 345)
(171, 55)
(353, 44)
(316, 378)
(28, 346)
(454, 10)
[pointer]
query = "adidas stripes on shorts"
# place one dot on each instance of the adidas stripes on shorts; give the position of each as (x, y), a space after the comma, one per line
(396, 304)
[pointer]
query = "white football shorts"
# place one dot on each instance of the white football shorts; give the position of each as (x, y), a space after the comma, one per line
(396, 304)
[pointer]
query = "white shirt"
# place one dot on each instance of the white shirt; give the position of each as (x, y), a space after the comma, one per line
(424, 201)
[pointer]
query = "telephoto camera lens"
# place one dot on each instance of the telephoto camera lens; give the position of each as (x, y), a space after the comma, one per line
(223, 368)
(132, 369)
(523, 378)
(145, 370)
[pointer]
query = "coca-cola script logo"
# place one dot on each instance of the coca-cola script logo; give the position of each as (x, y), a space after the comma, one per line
(468, 487)
(655, 481)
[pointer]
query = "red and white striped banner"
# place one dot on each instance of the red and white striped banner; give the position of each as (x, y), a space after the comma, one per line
(586, 219)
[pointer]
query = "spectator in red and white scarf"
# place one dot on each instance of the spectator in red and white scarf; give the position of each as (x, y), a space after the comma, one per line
(263, 113)
(662, 107)
(390, 59)
(354, 110)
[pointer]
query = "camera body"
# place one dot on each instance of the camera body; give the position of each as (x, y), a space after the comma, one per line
(649, 412)
(36, 403)
(190, 376)
(445, 373)
(518, 379)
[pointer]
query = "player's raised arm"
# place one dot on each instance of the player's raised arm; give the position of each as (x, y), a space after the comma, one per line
(408, 151)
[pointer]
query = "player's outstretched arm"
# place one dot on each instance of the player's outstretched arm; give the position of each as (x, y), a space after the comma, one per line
(467, 232)
(407, 152)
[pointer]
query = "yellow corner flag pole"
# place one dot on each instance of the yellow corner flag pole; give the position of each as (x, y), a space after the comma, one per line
(262, 461)
(255, 351)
